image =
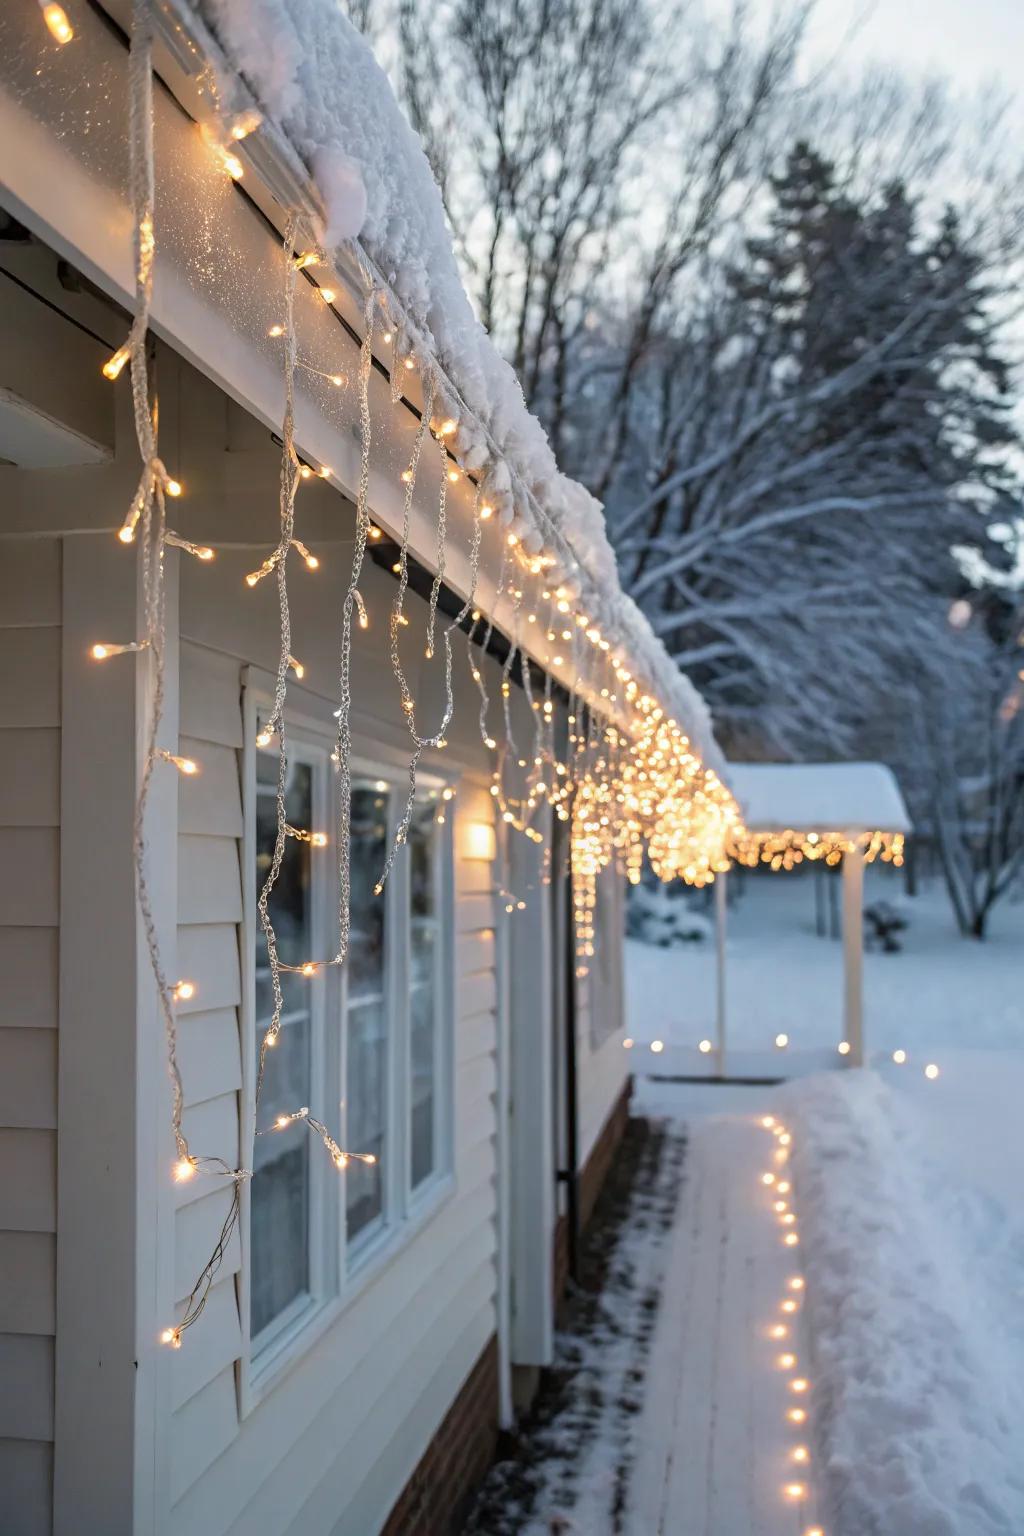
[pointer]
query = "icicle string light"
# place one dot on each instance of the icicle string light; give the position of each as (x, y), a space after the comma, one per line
(785, 849)
(275, 724)
(629, 778)
(343, 739)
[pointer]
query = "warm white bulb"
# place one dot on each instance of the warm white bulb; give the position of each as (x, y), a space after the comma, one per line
(899, 1057)
(931, 1071)
(58, 26)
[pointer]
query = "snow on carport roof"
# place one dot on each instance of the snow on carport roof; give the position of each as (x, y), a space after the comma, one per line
(819, 797)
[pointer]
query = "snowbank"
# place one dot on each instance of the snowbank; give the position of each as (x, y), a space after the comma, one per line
(318, 82)
(914, 1297)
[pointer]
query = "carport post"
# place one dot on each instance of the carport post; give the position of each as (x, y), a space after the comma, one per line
(720, 916)
(853, 955)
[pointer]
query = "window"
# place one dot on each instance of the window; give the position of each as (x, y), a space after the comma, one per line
(366, 1047)
(424, 982)
(283, 1284)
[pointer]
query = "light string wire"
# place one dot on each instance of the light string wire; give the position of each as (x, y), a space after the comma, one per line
(343, 741)
(148, 514)
(420, 742)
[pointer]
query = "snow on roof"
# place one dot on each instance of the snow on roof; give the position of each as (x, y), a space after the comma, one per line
(819, 797)
(318, 82)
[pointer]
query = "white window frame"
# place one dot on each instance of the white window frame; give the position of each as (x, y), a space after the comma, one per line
(340, 1270)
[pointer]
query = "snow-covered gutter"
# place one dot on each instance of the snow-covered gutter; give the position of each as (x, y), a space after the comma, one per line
(334, 146)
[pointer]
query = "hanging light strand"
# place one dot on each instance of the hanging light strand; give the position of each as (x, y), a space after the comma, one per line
(343, 740)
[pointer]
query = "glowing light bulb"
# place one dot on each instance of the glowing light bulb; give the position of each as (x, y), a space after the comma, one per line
(337, 379)
(931, 1071)
(795, 1491)
(245, 123)
(704, 1047)
(799, 1384)
(801, 1454)
(409, 363)
(185, 765)
(276, 330)
(785, 1139)
(790, 1239)
(796, 1282)
(899, 1057)
(171, 1336)
(373, 532)
(113, 365)
(767, 1178)
(264, 738)
(486, 511)
(184, 1169)
(789, 1306)
(182, 991)
(657, 1046)
(173, 487)
(309, 969)
(784, 1186)
(780, 1206)
(448, 426)
(306, 259)
(627, 1044)
(797, 1415)
(318, 839)
(786, 1362)
(768, 1121)
(843, 1047)
(328, 295)
(57, 24)
(781, 1041)
(297, 667)
(282, 1121)
(778, 1331)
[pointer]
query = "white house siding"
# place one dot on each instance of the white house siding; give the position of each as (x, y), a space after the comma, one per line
(30, 640)
(330, 1445)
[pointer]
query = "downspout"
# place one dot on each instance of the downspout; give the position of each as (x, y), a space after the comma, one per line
(570, 1174)
(506, 1414)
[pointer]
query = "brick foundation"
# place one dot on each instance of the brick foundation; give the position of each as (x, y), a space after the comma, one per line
(435, 1499)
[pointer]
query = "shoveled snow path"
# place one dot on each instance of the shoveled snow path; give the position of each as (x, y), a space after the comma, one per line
(713, 1444)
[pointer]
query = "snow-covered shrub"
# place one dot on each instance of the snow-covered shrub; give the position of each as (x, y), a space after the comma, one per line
(655, 916)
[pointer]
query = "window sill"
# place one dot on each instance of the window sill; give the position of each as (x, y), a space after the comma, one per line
(293, 1344)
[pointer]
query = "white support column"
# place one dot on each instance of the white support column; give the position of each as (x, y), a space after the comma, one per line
(721, 911)
(853, 955)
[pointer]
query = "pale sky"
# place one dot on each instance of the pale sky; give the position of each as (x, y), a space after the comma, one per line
(972, 41)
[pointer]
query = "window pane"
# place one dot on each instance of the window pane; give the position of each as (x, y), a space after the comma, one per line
(367, 1042)
(424, 946)
(280, 1214)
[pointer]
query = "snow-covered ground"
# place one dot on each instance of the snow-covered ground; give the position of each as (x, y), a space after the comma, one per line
(907, 1194)
(940, 991)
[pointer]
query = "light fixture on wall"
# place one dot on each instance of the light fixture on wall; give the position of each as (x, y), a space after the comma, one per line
(480, 841)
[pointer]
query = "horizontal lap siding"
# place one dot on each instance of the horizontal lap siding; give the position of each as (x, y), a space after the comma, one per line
(329, 1447)
(30, 639)
(203, 1394)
